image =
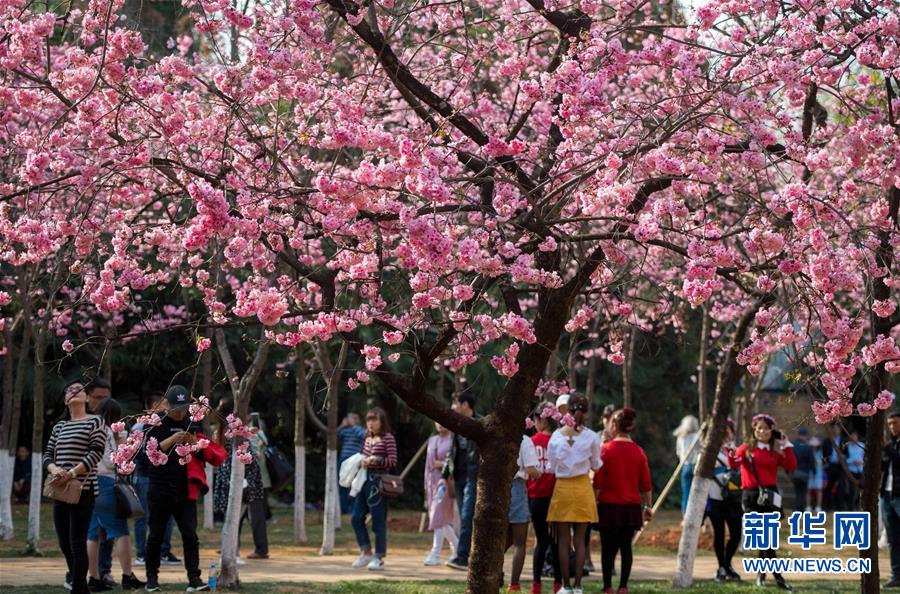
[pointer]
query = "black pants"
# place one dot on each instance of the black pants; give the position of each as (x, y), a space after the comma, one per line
(256, 513)
(801, 486)
(836, 488)
(165, 502)
(71, 522)
(614, 540)
(749, 499)
(722, 514)
(538, 506)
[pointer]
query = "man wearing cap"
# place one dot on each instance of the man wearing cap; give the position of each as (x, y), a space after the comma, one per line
(168, 491)
(805, 464)
(463, 462)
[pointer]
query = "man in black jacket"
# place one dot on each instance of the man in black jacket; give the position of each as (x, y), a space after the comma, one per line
(168, 491)
(834, 454)
(463, 462)
(890, 496)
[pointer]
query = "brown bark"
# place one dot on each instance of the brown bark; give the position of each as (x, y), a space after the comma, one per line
(701, 366)
(879, 380)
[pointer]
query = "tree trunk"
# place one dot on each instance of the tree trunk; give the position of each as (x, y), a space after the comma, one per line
(729, 375)
(33, 539)
(241, 389)
(332, 516)
(7, 463)
(879, 380)
(206, 390)
(626, 368)
(301, 391)
(701, 366)
(491, 513)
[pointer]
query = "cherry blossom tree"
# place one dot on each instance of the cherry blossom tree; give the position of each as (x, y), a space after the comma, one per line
(473, 182)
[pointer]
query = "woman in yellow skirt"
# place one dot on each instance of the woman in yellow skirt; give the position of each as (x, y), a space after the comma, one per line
(573, 451)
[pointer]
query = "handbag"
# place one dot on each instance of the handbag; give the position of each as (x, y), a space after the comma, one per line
(128, 504)
(280, 469)
(767, 496)
(391, 485)
(68, 492)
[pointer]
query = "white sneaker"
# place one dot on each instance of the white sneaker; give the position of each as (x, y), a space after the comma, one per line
(363, 561)
(566, 591)
(577, 590)
(432, 560)
(376, 564)
(240, 561)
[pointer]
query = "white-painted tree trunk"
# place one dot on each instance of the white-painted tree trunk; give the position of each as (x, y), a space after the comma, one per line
(208, 501)
(7, 463)
(690, 532)
(33, 539)
(332, 511)
(229, 571)
(300, 494)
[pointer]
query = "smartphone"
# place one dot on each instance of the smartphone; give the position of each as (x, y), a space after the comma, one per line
(777, 434)
(254, 419)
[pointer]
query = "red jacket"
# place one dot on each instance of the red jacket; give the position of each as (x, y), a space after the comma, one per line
(765, 462)
(196, 468)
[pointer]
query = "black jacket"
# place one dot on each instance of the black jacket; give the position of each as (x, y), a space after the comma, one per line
(172, 474)
(463, 459)
(890, 459)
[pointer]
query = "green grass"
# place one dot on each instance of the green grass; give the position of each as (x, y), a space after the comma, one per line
(451, 587)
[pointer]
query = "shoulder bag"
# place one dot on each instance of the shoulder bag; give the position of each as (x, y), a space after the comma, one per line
(68, 492)
(128, 504)
(391, 485)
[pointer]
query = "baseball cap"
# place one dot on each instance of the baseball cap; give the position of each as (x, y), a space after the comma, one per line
(802, 431)
(178, 398)
(563, 400)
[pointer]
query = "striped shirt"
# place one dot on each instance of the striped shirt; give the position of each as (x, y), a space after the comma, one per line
(74, 442)
(385, 450)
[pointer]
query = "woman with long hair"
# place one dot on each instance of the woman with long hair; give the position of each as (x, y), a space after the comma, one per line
(759, 460)
(104, 515)
(438, 496)
(540, 490)
(623, 490)
(724, 508)
(75, 447)
(685, 435)
(380, 451)
(572, 452)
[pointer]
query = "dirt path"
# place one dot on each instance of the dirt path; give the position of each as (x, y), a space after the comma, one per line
(289, 566)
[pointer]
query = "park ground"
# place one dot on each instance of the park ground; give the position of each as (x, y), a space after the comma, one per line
(299, 568)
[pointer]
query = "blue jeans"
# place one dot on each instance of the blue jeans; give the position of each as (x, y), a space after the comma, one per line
(142, 485)
(344, 494)
(369, 501)
(687, 478)
(465, 498)
(890, 509)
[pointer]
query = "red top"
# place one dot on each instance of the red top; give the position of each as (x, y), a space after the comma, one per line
(385, 450)
(624, 475)
(543, 485)
(213, 454)
(766, 463)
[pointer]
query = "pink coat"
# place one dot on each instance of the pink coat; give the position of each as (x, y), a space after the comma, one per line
(441, 514)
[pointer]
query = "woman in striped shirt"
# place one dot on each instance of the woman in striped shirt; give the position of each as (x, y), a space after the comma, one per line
(76, 446)
(380, 451)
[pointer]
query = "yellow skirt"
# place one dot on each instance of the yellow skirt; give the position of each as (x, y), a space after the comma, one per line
(573, 501)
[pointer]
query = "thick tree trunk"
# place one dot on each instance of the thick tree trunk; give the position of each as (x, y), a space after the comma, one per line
(491, 512)
(879, 380)
(206, 389)
(6, 448)
(33, 538)
(300, 396)
(627, 367)
(729, 375)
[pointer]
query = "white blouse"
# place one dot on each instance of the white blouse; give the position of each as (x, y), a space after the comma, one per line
(566, 460)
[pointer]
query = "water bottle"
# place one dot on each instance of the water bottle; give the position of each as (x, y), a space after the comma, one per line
(213, 577)
(441, 493)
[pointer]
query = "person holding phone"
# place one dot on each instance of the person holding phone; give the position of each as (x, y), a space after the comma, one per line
(168, 494)
(759, 460)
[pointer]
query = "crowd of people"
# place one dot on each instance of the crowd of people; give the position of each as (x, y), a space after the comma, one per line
(569, 480)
